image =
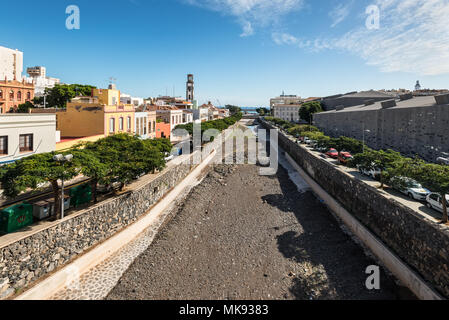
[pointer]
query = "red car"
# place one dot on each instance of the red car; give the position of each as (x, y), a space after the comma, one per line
(344, 157)
(332, 153)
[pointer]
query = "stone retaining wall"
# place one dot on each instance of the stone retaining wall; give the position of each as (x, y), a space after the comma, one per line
(421, 243)
(25, 261)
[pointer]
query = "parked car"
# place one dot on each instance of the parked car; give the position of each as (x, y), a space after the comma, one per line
(434, 202)
(345, 157)
(410, 187)
(332, 153)
(373, 173)
(169, 157)
(321, 149)
(442, 160)
(307, 140)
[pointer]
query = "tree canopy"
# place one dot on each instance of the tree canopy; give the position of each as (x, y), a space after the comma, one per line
(60, 94)
(308, 109)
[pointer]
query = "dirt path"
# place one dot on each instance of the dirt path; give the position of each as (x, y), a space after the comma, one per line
(239, 235)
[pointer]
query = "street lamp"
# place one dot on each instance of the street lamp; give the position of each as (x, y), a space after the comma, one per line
(367, 131)
(62, 159)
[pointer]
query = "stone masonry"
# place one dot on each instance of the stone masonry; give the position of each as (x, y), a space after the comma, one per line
(421, 243)
(24, 262)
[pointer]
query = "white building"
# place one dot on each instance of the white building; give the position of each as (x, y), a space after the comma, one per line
(287, 112)
(23, 135)
(38, 75)
(11, 64)
(286, 99)
(128, 99)
(201, 114)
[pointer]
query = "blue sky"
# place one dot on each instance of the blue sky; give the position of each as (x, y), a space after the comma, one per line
(241, 51)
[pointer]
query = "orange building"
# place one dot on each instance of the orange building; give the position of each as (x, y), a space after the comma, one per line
(13, 93)
(163, 130)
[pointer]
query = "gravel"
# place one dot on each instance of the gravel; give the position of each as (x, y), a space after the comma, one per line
(239, 235)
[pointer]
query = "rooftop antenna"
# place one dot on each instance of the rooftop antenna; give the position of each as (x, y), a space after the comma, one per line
(112, 80)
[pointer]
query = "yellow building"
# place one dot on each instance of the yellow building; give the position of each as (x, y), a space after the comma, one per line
(100, 114)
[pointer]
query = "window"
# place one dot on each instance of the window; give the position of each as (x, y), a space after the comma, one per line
(11, 95)
(154, 126)
(28, 95)
(138, 126)
(120, 124)
(26, 142)
(4, 145)
(19, 95)
(434, 197)
(1, 94)
(173, 119)
(144, 126)
(129, 124)
(111, 125)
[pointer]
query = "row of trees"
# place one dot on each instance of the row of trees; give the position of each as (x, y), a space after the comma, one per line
(390, 163)
(220, 124)
(120, 158)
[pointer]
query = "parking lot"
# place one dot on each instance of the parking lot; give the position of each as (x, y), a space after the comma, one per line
(419, 207)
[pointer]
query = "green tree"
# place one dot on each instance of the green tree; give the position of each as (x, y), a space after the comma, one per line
(263, 111)
(385, 161)
(128, 157)
(30, 172)
(233, 109)
(308, 109)
(60, 94)
(347, 144)
(298, 130)
(91, 167)
(25, 107)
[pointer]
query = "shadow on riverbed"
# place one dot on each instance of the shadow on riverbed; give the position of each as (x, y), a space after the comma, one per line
(331, 265)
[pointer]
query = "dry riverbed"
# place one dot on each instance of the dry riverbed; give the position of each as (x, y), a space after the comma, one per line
(239, 235)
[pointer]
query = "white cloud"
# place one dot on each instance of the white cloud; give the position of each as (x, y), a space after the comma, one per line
(340, 13)
(251, 13)
(413, 37)
(247, 30)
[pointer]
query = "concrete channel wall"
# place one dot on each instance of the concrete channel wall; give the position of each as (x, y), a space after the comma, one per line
(419, 242)
(26, 261)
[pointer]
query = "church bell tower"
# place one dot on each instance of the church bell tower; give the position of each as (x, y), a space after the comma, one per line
(190, 88)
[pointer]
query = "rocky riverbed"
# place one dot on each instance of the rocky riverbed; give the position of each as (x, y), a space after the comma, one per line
(239, 235)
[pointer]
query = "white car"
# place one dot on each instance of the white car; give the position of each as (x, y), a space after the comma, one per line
(373, 173)
(414, 190)
(434, 202)
(307, 140)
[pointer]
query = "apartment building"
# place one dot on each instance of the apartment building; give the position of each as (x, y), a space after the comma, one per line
(23, 135)
(287, 112)
(14, 93)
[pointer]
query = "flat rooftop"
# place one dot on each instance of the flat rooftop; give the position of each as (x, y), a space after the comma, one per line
(416, 102)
